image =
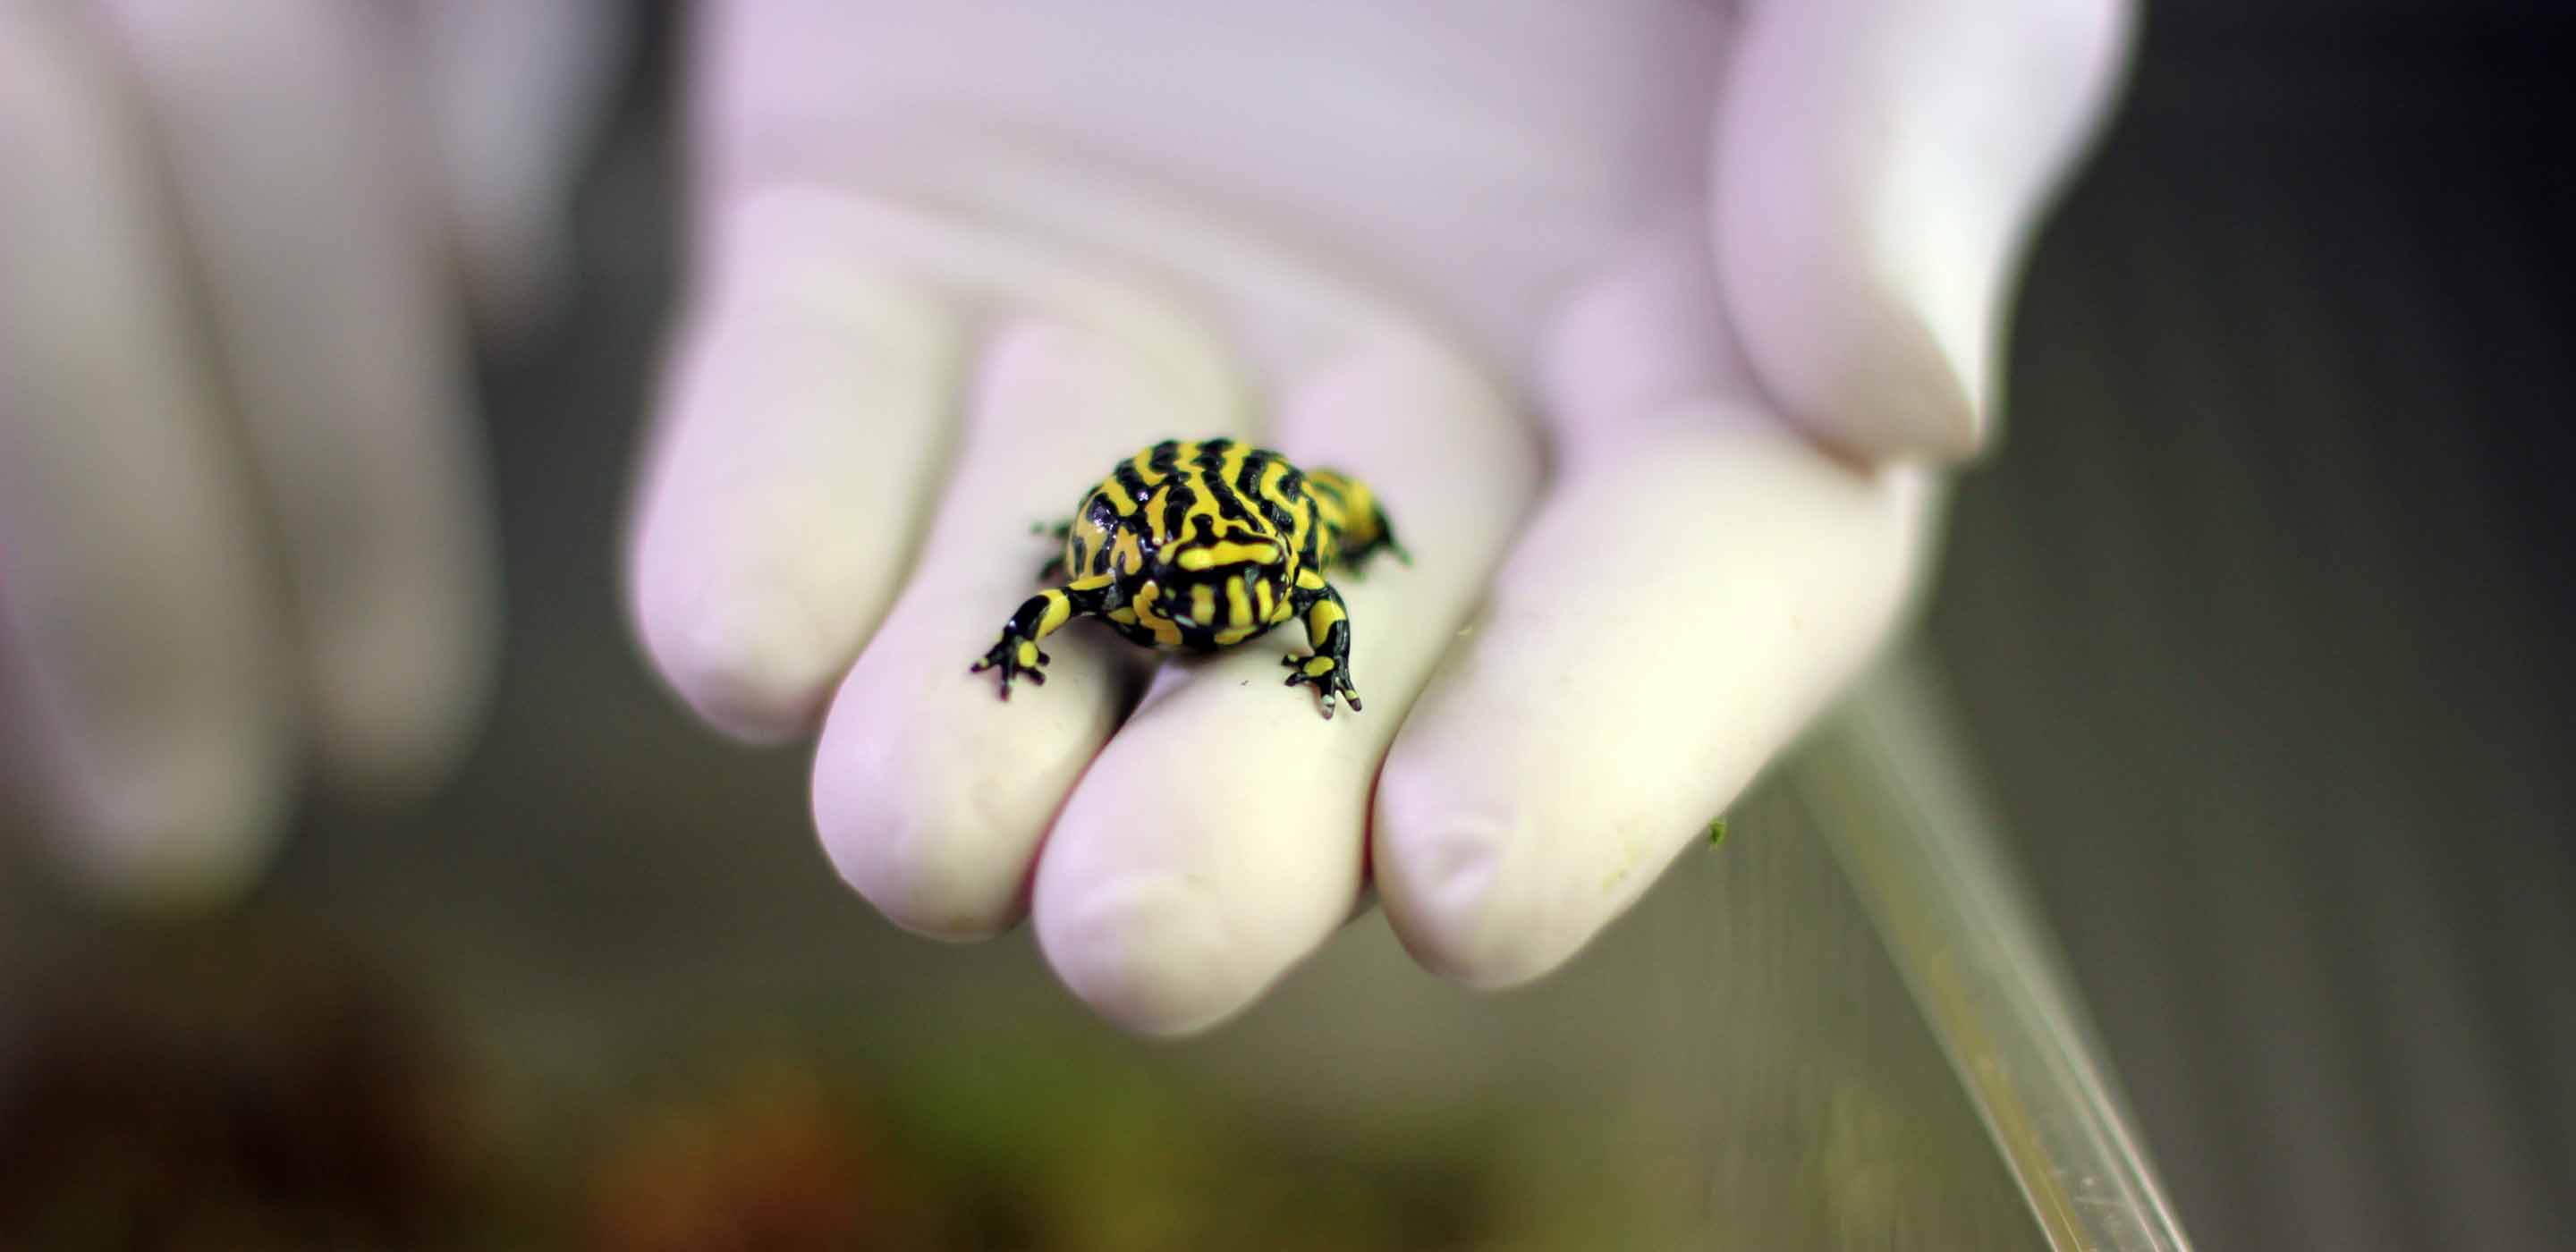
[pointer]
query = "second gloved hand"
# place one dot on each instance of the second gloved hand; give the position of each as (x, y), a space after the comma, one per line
(242, 517)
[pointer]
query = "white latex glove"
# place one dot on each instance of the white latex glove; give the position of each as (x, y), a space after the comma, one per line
(241, 502)
(1647, 321)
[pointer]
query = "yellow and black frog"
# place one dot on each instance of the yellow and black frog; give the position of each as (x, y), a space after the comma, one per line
(1202, 544)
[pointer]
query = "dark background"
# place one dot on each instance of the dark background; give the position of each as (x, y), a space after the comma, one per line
(2256, 616)
(2262, 616)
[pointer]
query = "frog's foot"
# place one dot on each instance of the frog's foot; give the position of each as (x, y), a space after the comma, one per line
(1017, 657)
(1328, 677)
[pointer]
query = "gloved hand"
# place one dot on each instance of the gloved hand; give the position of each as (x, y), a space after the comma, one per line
(241, 502)
(1651, 324)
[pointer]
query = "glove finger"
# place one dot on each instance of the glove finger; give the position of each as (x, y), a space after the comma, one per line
(345, 362)
(1691, 594)
(1879, 167)
(512, 92)
(931, 793)
(133, 604)
(1220, 837)
(803, 430)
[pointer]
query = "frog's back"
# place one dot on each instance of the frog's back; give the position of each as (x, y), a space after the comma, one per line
(1182, 490)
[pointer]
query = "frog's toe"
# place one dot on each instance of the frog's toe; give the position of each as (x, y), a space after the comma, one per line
(1329, 679)
(1015, 658)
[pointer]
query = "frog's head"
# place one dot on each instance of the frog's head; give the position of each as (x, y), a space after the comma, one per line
(1219, 586)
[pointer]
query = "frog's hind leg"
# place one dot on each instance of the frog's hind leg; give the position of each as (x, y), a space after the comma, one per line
(1328, 631)
(1054, 570)
(1361, 522)
(1381, 538)
(1017, 654)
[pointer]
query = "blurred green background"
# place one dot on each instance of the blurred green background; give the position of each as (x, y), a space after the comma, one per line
(2255, 619)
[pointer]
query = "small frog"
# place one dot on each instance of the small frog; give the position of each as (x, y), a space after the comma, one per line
(1202, 544)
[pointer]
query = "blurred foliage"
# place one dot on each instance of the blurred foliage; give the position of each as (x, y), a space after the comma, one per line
(239, 1090)
(198, 1091)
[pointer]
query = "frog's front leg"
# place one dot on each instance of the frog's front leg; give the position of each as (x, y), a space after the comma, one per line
(1017, 655)
(1328, 632)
